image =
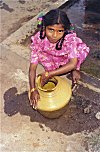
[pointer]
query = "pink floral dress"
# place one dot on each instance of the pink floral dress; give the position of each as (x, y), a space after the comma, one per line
(45, 53)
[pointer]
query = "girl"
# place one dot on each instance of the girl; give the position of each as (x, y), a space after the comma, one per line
(57, 48)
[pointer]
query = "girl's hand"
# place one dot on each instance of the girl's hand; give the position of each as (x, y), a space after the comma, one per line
(44, 78)
(75, 76)
(34, 97)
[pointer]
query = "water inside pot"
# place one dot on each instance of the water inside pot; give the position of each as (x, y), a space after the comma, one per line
(49, 86)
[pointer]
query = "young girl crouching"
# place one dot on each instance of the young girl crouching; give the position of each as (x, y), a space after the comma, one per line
(57, 48)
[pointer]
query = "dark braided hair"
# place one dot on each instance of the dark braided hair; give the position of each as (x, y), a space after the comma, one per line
(55, 16)
(42, 33)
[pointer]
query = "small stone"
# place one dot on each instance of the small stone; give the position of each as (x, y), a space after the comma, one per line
(97, 115)
(87, 109)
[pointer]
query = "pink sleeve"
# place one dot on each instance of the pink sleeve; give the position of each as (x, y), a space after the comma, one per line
(34, 49)
(77, 49)
(72, 47)
(82, 52)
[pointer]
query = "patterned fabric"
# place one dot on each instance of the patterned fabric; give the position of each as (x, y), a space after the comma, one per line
(45, 53)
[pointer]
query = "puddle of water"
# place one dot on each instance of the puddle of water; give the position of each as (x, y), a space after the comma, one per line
(86, 19)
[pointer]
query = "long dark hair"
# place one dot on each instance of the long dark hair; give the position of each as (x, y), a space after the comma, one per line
(55, 16)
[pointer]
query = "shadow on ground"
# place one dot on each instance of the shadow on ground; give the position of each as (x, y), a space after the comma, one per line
(74, 119)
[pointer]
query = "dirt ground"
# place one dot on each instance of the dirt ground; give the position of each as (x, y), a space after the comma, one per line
(26, 130)
(16, 13)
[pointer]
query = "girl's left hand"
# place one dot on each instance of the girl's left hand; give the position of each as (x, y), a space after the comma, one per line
(44, 78)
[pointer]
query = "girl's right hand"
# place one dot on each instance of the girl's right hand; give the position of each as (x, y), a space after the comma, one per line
(34, 97)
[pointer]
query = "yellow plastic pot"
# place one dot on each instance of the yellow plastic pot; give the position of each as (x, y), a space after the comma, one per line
(54, 96)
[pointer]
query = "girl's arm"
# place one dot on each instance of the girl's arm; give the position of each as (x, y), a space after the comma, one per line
(32, 75)
(34, 94)
(64, 69)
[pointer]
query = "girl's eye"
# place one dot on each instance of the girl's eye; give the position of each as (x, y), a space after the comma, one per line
(51, 30)
(60, 31)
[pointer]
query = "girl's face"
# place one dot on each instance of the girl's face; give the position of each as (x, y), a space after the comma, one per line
(54, 32)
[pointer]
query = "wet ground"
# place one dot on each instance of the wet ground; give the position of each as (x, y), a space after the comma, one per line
(85, 15)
